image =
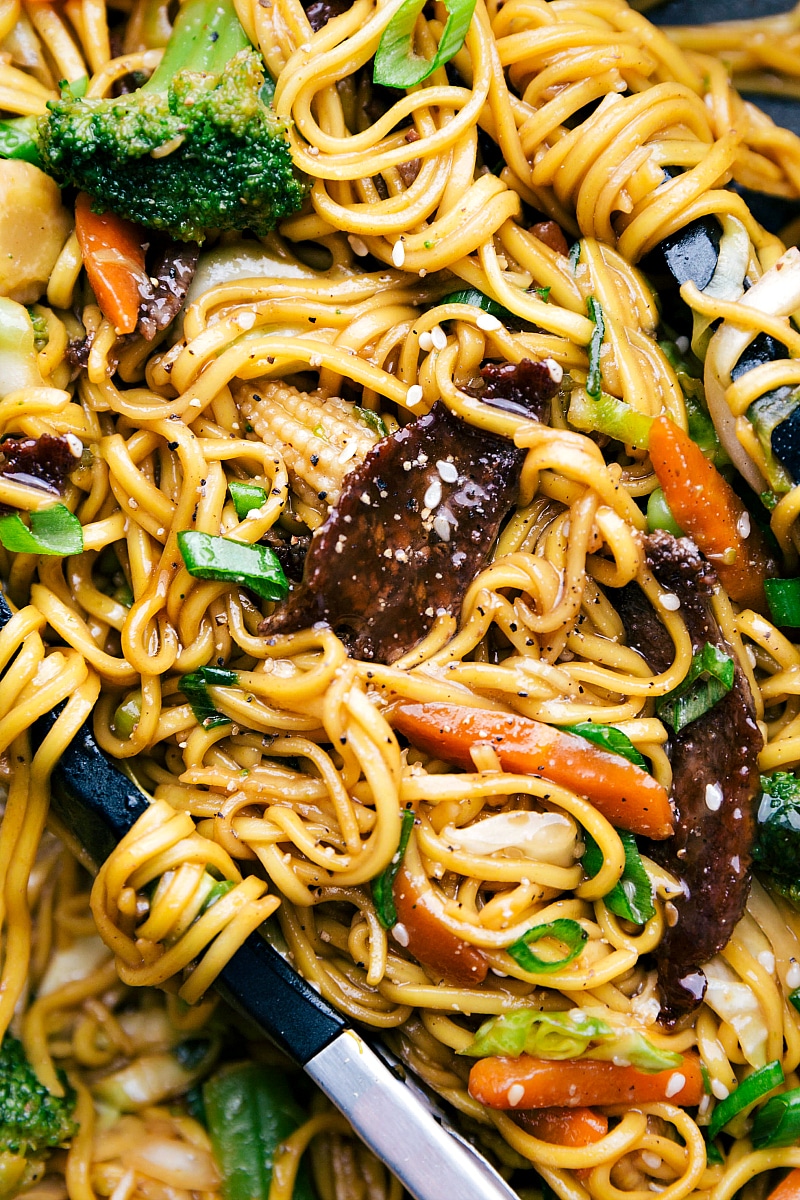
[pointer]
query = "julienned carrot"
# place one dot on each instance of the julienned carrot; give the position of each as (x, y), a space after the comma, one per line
(424, 935)
(624, 793)
(113, 255)
(709, 511)
(527, 1082)
(564, 1127)
(788, 1188)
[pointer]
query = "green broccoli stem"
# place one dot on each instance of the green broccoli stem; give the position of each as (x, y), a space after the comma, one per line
(18, 140)
(205, 37)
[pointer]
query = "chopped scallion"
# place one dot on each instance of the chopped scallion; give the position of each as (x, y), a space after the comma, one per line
(220, 888)
(778, 1122)
(749, 1091)
(371, 419)
(564, 930)
(632, 895)
(128, 715)
(210, 557)
(53, 530)
(783, 597)
(659, 514)
(610, 416)
(574, 256)
(594, 380)
(246, 497)
(610, 738)
(480, 300)
(709, 678)
(397, 65)
(195, 688)
(382, 884)
(794, 999)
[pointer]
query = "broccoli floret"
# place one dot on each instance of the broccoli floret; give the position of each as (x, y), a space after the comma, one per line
(31, 1120)
(197, 148)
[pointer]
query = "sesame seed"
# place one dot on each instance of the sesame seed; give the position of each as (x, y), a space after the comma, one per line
(670, 602)
(676, 1084)
(246, 319)
(438, 337)
(487, 322)
(400, 934)
(433, 496)
(75, 445)
(718, 1089)
(413, 395)
(556, 370)
(448, 472)
(515, 1094)
(441, 526)
(398, 254)
(425, 340)
(714, 797)
(357, 246)
(743, 525)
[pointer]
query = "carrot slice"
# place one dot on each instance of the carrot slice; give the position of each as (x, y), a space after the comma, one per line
(429, 940)
(624, 793)
(788, 1188)
(564, 1127)
(709, 511)
(113, 255)
(527, 1082)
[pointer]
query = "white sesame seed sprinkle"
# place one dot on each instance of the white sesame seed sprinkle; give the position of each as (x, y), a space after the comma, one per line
(676, 1084)
(767, 960)
(487, 322)
(653, 1161)
(357, 246)
(398, 253)
(441, 526)
(743, 525)
(413, 395)
(670, 602)
(793, 974)
(425, 340)
(718, 1090)
(75, 445)
(448, 472)
(350, 449)
(438, 337)
(246, 319)
(714, 797)
(556, 370)
(433, 496)
(515, 1094)
(400, 934)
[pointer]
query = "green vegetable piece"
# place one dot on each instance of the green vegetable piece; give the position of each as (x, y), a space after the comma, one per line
(572, 935)
(18, 140)
(481, 301)
(567, 1035)
(632, 895)
(128, 715)
(659, 514)
(221, 888)
(73, 89)
(713, 1156)
(574, 256)
(745, 1096)
(250, 1110)
(783, 597)
(594, 380)
(543, 293)
(53, 531)
(19, 365)
(708, 679)
(777, 843)
(778, 1122)
(610, 738)
(382, 884)
(31, 1120)
(769, 500)
(794, 999)
(610, 416)
(553, 1035)
(210, 557)
(246, 497)
(194, 149)
(41, 334)
(195, 688)
(396, 64)
(371, 419)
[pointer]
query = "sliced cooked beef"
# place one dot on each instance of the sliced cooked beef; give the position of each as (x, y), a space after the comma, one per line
(412, 526)
(552, 235)
(78, 350)
(170, 273)
(524, 388)
(319, 12)
(291, 552)
(42, 462)
(714, 780)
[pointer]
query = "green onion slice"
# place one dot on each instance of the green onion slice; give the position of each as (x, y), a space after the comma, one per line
(794, 999)
(783, 597)
(382, 884)
(246, 497)
(18, 140)
(481, 301)
(53, 530)
(564, 930)
(574, 256)
(396, 64)
(632, 895)
(609, 738)
(610, 416)
(220, 888)
(210, 557)
(709, 678)
(371, 419)
(659, 514)
(747, 1093)
(594, 380)
(778, 1122)
(195, 688)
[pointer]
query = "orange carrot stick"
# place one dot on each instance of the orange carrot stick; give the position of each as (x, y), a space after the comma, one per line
(564, 1127)
(113, 255)
(429, 939)
(527, 1082)
(624, 793)
(709, 511)
(788, 1188)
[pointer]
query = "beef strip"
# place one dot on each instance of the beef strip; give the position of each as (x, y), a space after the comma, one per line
(714, 780)
(319, 12)
(412, 527)
(170, 273)
(43, 462)
(524, 388)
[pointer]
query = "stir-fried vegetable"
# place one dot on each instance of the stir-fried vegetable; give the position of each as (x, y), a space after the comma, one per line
(777, 845)
(382, 885)
(396, 63)
(527, 1082)
(113, 255)
(54, 531)
(709, 678)
(210, 557)
(195, 688)
(621, 791)
(565, 932)
(749, 1091)
(632, 896)
(707, 508)
(421, 930)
